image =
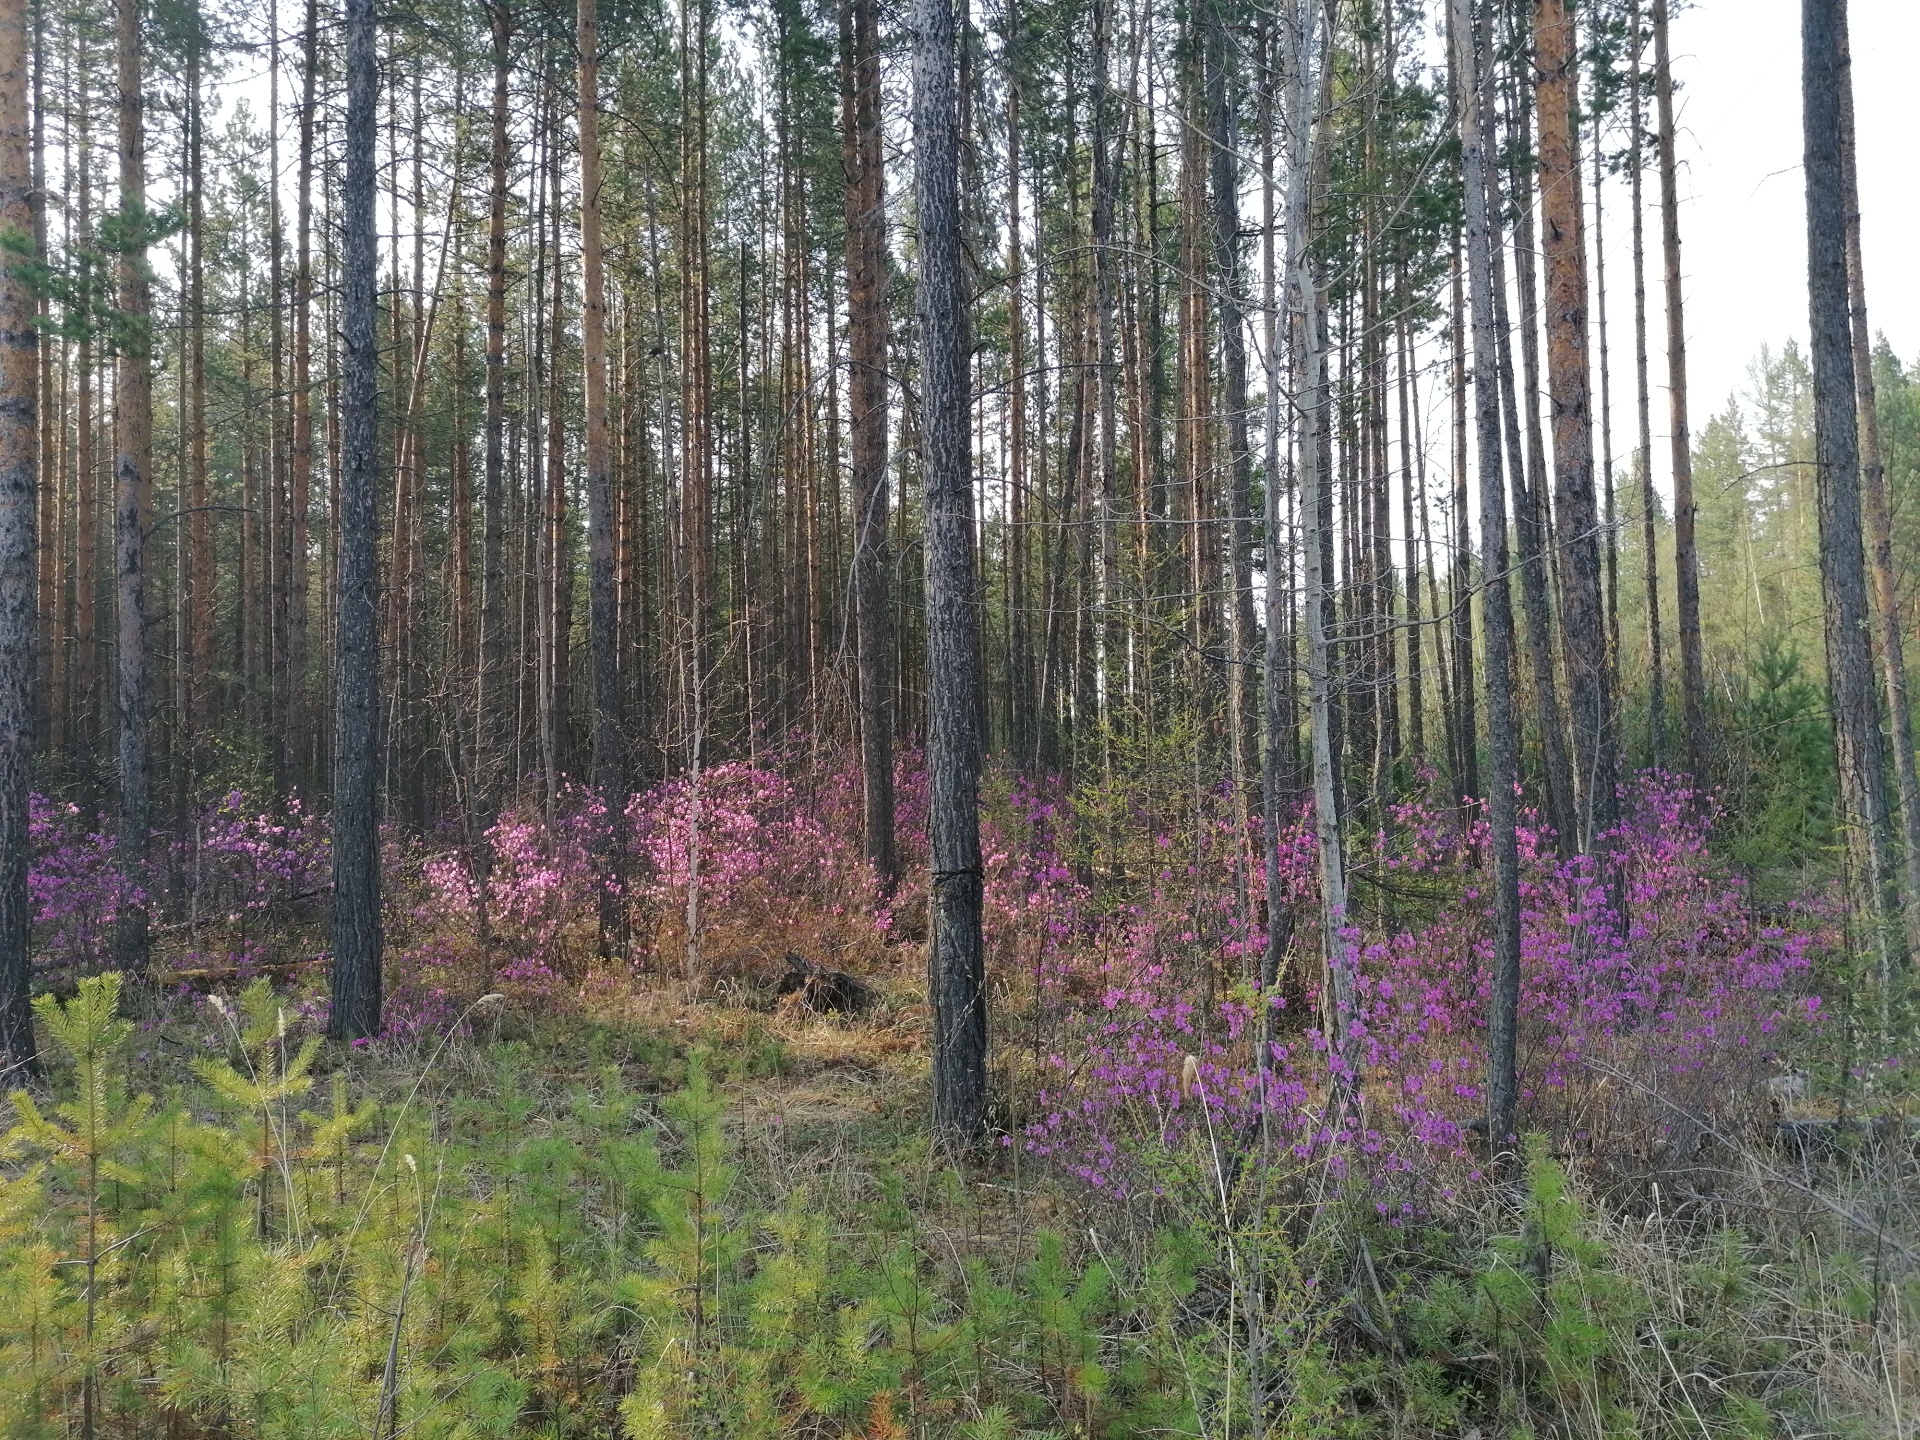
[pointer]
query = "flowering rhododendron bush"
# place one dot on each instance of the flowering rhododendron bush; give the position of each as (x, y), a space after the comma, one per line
(74, 886)
(1653, 1000)
(775, 862)
(772, 862)
(1124, 949)
(240, 884)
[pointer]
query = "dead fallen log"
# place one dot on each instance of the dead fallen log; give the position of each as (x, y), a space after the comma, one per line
(214, 973)
(823, 990)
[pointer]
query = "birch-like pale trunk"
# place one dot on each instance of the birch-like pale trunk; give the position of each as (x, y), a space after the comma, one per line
(867, 320)
(1310, 377)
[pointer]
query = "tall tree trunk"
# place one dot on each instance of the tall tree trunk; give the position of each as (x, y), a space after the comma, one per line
(865, 163)
(1686, 561)
(1527, 466)
(1643, 415)
(956, 955)
(133, 493)
(1873, 481)
(200, 531)
(1843, 568)
(1609, 493)
(492, 743)
(86, 479)
(609, 755)
(1466, 778)
(1242, 694)
(1503, 724)
(1569, 384)
(557, 600)
(356, 832)
(19, 450)
(279, 551)
(1021, 729)
(1306, 173)
(1409, 485)
(301, 457)
(56, 581)
(46, 453)
(1280, 721)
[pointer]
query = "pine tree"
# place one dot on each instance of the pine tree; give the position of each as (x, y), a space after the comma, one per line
(19, 455)
(956, 959)
(1503, 727)
(1843, 573)
(133, 491)
(356, 833)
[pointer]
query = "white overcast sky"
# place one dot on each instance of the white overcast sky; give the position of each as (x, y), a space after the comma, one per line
(1743, 211)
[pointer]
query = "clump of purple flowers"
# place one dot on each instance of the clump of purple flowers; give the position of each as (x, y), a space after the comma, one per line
(1650, 988)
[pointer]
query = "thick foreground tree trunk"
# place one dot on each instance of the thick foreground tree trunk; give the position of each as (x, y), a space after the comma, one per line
(356, 826)
(19, 440)
(1503, 722)
(1843, 571)
(1570, 393)
(609, 735)
(956, 958)
(133, 481)
(1873, 480)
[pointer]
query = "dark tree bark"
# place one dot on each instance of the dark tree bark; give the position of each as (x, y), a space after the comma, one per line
(1686, 558)
(85, 734)
(609, 730)
(1503, 736)
(956, 957)
(200, 566)
(1527, 465)
(1843, 569)
(867, 319)
(356, 829)
(1873, 482)
(19, 455)
(609, 760)
(493, 730)
(1643, 414)
(133, 486)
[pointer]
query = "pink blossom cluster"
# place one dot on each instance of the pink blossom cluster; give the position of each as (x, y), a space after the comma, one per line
(74, 885)
(1645, 978)
(238, 870)
(242, 858)
(740, 827)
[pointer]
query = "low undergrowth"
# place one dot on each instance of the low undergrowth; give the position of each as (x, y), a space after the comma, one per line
(201, 1233)
(595, 1181)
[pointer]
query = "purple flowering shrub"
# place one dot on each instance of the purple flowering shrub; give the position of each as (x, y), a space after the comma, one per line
(237, 888)
(777, 862)
(1653, 997)
(75, 888)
